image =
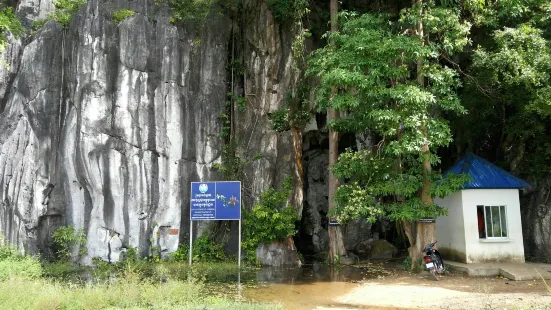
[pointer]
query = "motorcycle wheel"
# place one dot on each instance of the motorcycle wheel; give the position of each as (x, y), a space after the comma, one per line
(439, 264)
(433, 273)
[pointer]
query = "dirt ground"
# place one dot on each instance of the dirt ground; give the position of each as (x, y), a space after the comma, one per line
(393, 288)
(453, 291)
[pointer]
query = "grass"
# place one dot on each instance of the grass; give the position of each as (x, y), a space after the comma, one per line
(20, 293)
(128, 290)
(25, 283)
(219, 272)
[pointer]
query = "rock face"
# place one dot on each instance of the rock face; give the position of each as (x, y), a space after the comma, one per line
(536, 222)
(278, 254)
(104, 126)
(313, 236)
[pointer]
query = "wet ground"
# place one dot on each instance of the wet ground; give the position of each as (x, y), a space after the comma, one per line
(385, 285)
(311, 285)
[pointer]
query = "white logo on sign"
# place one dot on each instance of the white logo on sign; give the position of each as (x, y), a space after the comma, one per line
(203, 188)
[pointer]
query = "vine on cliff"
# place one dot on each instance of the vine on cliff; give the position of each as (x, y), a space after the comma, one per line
(181, 10)
(296, 112)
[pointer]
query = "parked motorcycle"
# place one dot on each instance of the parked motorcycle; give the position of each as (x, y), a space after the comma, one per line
(433, 260)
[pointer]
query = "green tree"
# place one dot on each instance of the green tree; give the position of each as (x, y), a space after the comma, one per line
(508, 89)
(391, 82)
(336, 243)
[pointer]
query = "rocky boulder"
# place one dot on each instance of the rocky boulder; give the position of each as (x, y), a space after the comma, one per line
(382, 249)
(278, 253)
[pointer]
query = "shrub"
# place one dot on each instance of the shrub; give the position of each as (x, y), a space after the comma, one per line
(12, 263)
(125, 293)
(269, 220)
(9, 22)
(122, 14)
(285, 10)
(182, 10)
(24, 267)
(181, 254)
(68, 241)
(6, 251)
(204, 250)
(63, 13)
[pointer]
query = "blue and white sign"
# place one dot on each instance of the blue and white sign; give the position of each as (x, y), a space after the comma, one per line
(215, 200)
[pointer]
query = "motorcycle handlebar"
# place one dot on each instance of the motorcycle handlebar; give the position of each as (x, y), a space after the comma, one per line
(429, 246)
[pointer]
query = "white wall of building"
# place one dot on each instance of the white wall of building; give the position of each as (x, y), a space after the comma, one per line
(450, 230)
(486, 250)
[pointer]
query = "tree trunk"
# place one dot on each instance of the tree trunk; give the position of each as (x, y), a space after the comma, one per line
(421, 234)
(336, 244)
(298, 194)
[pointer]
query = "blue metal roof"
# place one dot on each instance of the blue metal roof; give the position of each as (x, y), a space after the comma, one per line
(484, 174)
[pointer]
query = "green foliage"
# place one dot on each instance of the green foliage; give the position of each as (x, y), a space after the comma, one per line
(225, 118)
(271, 219)
(237, 67)
(122, 14)
(240, 101)
(6, 250)
(232, 165)
(63, 13)
(296, 113)
(126, 292)
(407, 263)
(280, 120)
(181, 254)
(193, 10)
(226, 125)
(22, 267)
(371, 65)
(69, 242)
(13, 264)
(204, 250)
(131, 255)
(508, 92)
(285, 10)
(9, 23)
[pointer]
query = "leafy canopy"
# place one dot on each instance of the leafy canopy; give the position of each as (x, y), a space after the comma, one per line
(372, 64)
(509, 94)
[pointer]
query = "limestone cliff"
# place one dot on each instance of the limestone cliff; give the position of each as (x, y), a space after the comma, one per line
(104, 126)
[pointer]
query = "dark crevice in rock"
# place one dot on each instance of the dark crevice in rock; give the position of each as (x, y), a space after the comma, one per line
(108, 203)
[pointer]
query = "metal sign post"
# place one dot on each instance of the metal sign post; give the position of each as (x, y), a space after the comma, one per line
(215, 201)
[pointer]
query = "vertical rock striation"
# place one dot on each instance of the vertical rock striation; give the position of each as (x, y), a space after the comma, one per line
(105, 125)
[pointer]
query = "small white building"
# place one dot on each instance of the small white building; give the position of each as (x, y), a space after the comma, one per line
(483, 222)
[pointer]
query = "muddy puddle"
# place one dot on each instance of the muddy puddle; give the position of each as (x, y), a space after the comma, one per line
(308, 287)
